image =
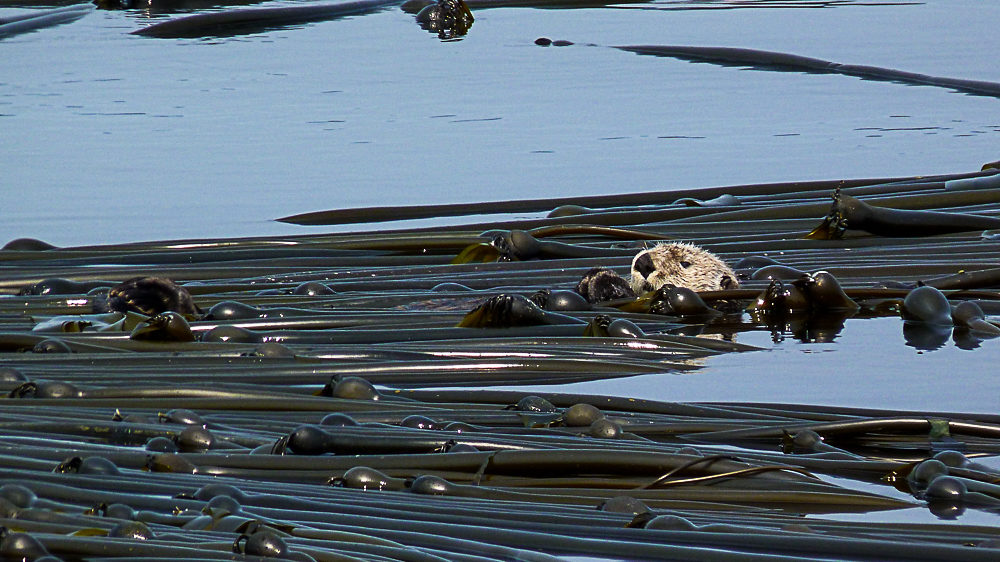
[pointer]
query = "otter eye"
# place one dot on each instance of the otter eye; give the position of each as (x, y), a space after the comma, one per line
(644, 264)
(685, 264)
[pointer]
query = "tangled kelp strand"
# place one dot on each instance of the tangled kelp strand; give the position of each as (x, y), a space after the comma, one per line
(150, 423)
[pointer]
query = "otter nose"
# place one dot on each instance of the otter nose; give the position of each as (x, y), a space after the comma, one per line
(644, 264)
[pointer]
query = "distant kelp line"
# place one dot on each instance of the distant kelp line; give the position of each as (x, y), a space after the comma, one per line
(327, 395)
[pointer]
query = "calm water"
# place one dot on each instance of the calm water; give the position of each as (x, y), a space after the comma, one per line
(869, 365)
(110, 137)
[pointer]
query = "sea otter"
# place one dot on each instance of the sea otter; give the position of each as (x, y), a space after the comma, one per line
(677, 264)
(681, 265)
(149, 296)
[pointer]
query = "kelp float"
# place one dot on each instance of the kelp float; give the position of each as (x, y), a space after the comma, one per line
(325, 396)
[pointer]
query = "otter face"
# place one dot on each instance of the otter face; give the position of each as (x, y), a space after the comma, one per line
(681, 265)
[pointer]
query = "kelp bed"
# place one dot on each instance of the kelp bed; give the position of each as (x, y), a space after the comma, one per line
(258, 433)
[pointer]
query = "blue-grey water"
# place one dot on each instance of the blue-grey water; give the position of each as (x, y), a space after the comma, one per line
(112, 137)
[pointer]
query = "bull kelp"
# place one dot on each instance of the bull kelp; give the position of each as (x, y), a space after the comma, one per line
(341, 396)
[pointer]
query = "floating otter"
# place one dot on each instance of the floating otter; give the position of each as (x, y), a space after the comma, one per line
(681, 265)
(675, 264)
(151, 296)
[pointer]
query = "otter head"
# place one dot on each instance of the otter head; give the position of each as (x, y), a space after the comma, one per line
(681, 265)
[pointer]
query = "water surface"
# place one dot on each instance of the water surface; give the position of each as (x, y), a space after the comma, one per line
(110, 137)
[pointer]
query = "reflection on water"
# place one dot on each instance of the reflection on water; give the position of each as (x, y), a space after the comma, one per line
(867, 367)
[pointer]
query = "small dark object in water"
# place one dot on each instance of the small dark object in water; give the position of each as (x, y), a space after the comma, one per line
(214, 490)
(27, 245)
(89, 465)
(450, 19)
(605, 429)
(20, 546)
(624, 328)
(459, 427)
(231, 310)
(783, 272)
(355, 388)
(194, 439)
(362, 478)
(231, 334)
(601, 284)
(603, 326)
(165, 327)
(264, 543)
(545, 42)
(224, 503)
(851, 213)
(580, 415)
(679, 301)
(780, 299)
(565, 210)
(182, 416)
(60, 286)
(45, 389)
(516, 245)
(272, 350)
(748, 265)
(307, 440)
(151, 296)
(825, 293)
(819, 293)
(161, 445)
(10, 374)
(926, 304)
(134, 530)
(560, 300)
(926, 471)
(534, 403)
(312, 289)
(507, 311)
(624, 504)
(946, 488)
(417, 421)
(969, 315)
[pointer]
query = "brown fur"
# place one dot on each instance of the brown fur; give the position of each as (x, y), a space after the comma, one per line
(151, 296)
(681, 265)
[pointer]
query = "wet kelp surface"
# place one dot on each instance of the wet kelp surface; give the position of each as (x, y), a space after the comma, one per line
(323, 396)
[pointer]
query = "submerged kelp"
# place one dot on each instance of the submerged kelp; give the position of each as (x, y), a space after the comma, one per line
(320, 396)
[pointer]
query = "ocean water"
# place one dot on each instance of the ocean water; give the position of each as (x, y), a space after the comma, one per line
(112, 137)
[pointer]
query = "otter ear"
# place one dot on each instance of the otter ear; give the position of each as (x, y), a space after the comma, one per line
(644, 264)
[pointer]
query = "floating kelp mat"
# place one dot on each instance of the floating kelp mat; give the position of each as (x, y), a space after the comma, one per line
(340, 396)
